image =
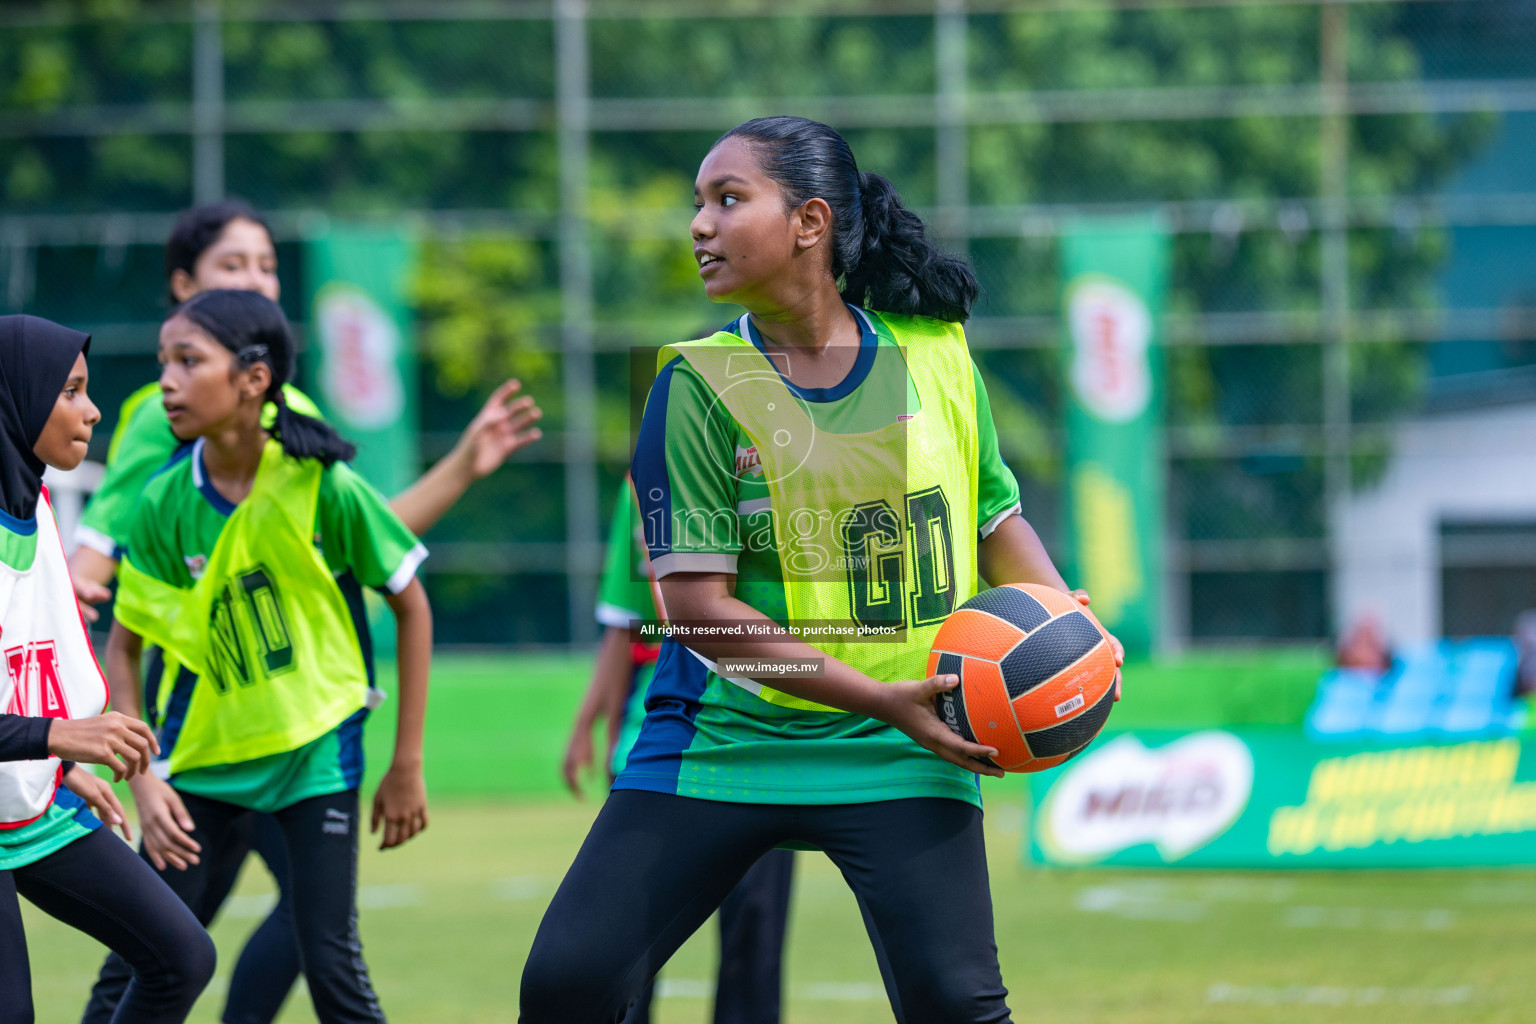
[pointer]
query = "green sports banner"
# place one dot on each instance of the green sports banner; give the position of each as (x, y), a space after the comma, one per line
(1114, 272)
(362, 359)
(1275, 799)
(362, 349)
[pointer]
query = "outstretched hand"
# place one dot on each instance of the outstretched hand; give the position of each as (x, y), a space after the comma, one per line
(909, 706)
(501, 428)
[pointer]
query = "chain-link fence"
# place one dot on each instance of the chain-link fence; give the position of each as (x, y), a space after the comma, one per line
(1348, 185)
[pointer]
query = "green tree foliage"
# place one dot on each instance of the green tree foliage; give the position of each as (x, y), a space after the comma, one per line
(1263, 254)
(47, 68)
(488, 291)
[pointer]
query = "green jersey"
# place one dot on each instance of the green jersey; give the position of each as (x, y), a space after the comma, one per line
(625, 595)
(706, 508)
(140, 445)
(174, 529)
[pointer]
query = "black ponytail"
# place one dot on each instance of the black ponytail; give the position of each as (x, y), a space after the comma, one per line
(254, 328)
(881, 254)
(305, 437)
(899, 269)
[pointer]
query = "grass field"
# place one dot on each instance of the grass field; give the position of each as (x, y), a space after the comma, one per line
(448, 919)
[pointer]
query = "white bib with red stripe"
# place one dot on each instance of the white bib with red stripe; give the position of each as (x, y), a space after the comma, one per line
(47, 667)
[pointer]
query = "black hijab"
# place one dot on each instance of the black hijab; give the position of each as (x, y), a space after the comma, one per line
(36, 356)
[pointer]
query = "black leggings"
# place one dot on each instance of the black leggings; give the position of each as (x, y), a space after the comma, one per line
(97, 885)
(268, 965)
(754, 919)
(655, 866)
(270, 962)
(320, 837)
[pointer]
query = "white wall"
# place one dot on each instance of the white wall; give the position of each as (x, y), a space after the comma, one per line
(1464, 465)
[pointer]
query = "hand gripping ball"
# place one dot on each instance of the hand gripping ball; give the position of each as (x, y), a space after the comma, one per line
(1037, 674)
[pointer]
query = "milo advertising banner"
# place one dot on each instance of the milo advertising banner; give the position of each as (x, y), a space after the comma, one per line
(362, 359)
(361, 349)
(1115, 274)
(1274, 799)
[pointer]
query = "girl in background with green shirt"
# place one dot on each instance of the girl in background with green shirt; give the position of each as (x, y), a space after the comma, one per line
(229, 245)
(245, 562)
(754, 918)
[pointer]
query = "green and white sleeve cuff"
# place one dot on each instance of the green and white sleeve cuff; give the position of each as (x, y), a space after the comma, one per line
(406, 571)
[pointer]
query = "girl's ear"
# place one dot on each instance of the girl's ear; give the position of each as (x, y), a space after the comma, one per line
(182, 285)
(811, 222)
(258, 378)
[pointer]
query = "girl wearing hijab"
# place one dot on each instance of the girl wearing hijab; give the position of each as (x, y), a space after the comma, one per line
(53, 850)
(247, 554)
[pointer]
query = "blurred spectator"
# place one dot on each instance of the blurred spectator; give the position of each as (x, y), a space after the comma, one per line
(1364, 645)
(1525, 649)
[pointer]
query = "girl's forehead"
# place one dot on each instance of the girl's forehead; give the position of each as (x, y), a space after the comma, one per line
(242, 235)
(178, 330)
(732, 157)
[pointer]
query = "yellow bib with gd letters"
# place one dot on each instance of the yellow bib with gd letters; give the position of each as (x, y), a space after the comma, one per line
(876, 531)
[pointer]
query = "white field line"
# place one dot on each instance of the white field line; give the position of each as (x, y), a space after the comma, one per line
(387, 897)
(1188, 902)
(1247, 890)
(841, 991)
(369, 897)
(1372, 919)
(1336, 995)
(1139, 906)
(1150, 899)
(1502, 890)
(523, 887)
